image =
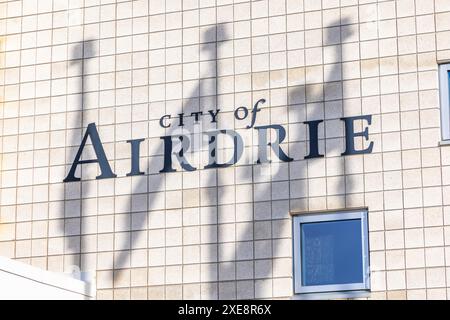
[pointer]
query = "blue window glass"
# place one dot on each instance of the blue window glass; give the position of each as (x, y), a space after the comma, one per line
(448, 83)
(331, 252)
(444, 93)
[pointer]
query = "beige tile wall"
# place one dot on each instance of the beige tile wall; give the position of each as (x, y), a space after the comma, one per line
(222, 233)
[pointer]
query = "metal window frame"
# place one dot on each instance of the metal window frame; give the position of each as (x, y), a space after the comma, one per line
(445, 100)
(322, 217)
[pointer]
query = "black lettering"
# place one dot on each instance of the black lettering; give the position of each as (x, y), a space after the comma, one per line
(237, 152)
(102, 161)
(179, 155)
(213, 115)
(181, 122)
(237, 112)
(255, 111)
(350, 135)
(135, 144)
(262, 147)
(196, 115)
(162, 121)
(313, 139)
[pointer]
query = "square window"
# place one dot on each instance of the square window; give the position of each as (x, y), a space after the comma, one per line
(331, 252)
(444, 88)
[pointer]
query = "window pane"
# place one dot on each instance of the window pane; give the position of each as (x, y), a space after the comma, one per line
(331, 252)
(448, 85)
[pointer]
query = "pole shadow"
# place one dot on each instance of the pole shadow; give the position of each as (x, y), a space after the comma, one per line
(302, 96)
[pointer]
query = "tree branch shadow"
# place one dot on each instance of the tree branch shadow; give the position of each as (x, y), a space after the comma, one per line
(302, 96)
(71, 224)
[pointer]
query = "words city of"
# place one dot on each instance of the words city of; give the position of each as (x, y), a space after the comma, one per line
(240, 113)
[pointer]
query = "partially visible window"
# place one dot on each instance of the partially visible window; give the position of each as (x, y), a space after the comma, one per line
(331, 252)
(444, 87)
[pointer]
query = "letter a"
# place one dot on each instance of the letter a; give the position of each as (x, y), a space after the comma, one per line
(102, 161)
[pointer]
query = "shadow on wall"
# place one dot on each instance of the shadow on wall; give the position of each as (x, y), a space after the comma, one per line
(72, 222)
(2, 59)
(209, 49)
(311, 98)
(304, 101)
(2, 80)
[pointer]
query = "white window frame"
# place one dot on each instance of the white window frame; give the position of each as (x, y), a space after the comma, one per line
(444, 87)
(322, 217)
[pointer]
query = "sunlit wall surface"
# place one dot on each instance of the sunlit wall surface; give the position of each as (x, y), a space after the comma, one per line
(222, 233)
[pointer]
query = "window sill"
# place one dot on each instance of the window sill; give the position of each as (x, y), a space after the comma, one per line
(444, 143)
(332, 295)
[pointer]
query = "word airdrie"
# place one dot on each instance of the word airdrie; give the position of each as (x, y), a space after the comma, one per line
(183, 142)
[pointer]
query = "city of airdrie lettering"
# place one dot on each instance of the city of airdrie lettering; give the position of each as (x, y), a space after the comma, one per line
(265, 147)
